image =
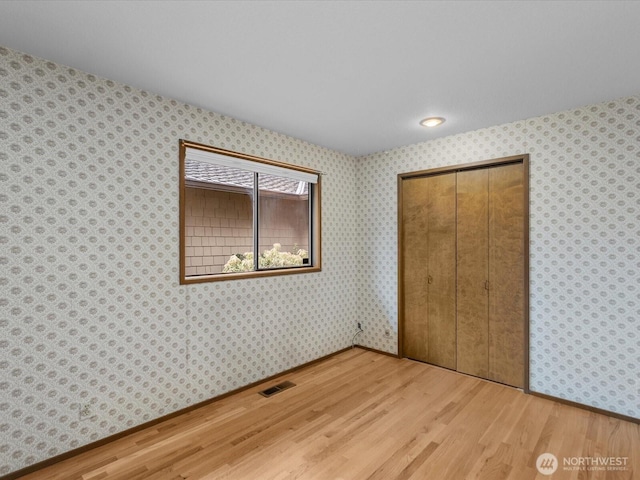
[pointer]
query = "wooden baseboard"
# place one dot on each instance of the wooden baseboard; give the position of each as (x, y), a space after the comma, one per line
(582, 406)
(377, 351)
(90, 446)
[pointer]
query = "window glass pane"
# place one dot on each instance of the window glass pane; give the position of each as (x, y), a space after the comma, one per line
(283, 226)
(218, 219)
(243, 216)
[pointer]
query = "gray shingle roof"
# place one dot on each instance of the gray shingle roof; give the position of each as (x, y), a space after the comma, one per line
(218, 174)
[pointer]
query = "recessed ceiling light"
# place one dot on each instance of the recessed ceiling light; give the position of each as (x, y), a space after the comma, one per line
(432, 121)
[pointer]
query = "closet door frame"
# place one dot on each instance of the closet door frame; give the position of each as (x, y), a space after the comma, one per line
(524, 160)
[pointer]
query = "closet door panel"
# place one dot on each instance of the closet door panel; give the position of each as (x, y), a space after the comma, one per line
(442, 270)
(415, 198)
(472, 275)
(506, 274)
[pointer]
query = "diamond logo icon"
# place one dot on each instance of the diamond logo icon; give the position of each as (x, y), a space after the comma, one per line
(547, 463)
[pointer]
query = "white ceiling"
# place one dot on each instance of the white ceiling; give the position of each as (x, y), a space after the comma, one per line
(354, 76)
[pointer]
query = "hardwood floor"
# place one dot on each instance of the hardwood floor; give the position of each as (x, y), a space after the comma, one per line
(362, 415)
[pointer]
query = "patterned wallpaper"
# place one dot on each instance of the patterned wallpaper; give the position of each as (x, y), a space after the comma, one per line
(584, 244)
(91, 311)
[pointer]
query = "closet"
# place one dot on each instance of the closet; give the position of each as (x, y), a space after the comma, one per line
(463, 264)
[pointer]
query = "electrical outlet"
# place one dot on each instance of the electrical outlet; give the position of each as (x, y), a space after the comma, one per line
(387, 333)
(85, 411)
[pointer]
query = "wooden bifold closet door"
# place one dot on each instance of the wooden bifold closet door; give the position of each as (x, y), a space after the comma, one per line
(490, 273)
(473, 267)
(463, 280)
(429, 258)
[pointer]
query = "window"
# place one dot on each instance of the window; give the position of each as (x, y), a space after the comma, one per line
(243, 216)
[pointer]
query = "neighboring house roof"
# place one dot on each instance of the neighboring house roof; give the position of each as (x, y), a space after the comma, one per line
(221, 175)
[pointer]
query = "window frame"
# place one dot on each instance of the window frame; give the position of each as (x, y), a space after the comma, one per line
(315, 264)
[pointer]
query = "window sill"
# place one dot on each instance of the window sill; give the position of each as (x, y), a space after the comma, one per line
(221, 277)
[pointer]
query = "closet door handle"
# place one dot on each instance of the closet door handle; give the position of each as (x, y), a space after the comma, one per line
(486, 285)
(429, 279)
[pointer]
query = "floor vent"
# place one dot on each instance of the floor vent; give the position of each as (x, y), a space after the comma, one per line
(277, 388)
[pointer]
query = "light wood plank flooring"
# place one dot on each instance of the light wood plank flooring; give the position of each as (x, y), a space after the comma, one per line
(362, 415)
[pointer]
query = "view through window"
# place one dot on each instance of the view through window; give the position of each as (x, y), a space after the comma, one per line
(244, 216)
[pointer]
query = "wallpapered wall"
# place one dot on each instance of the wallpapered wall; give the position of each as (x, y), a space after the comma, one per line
(584, 244)
(91, 311)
